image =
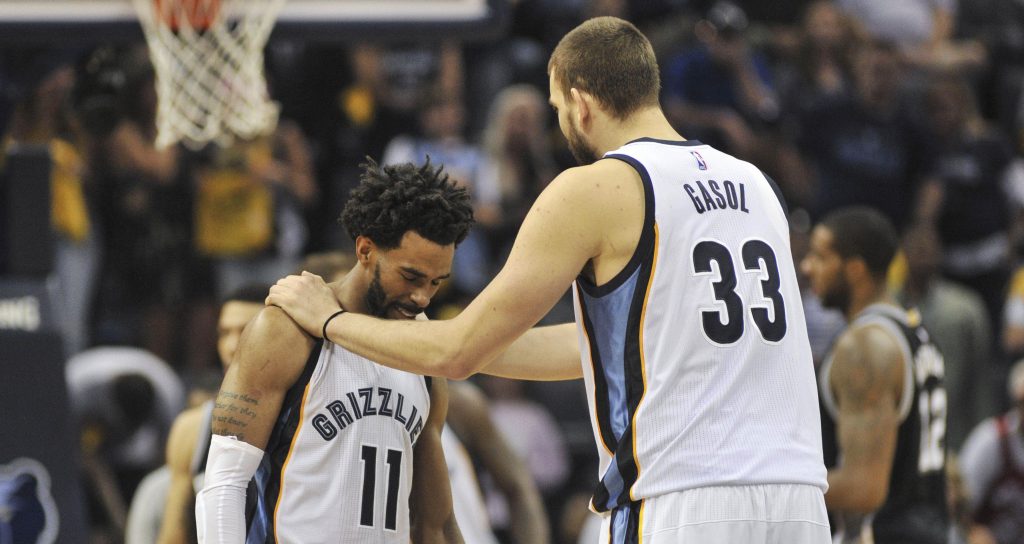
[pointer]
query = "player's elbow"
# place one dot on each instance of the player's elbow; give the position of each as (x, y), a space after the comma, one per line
(456, 367)
(455, 359)
(871, 497)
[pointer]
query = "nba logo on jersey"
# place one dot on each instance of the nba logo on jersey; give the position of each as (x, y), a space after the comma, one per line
(700, 160)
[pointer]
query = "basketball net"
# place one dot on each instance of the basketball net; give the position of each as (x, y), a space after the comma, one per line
(208, 58)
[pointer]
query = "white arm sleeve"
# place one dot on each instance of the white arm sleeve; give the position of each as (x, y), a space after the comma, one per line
(220, 506)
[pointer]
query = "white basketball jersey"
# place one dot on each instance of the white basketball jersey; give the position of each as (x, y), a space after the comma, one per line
(695, 356)
(467, 499)
(338, 466)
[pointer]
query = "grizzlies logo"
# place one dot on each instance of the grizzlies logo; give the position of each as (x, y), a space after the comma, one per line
(28, 513)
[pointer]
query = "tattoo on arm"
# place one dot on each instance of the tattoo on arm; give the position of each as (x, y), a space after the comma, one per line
(233, 412)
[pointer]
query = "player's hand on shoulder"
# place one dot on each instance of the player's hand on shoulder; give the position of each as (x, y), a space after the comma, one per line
(307, 299)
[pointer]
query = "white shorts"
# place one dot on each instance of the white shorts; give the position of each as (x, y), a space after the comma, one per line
(750, 514)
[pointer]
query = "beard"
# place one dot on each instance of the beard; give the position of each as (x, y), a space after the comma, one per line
(376, 299)
(580, 149)
(837, 298)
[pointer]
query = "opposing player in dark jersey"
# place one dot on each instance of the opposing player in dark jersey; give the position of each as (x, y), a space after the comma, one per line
(883, 404)
(343, 450)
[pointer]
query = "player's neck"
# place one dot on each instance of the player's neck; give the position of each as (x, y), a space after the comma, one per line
(350, 292)
(866, 296)
(646, 123)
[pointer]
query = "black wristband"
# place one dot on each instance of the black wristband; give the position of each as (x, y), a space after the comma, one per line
(323, 333)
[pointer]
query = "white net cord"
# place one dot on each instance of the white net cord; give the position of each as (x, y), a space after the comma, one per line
(210, 81)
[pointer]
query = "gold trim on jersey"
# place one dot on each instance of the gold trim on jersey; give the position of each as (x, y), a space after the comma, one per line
(288, 458)
(643, 364)
(640, 521)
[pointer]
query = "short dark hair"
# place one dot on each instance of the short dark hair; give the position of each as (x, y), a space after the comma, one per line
(864, 233)
(610, 59)
(392, 200)
(250, 292)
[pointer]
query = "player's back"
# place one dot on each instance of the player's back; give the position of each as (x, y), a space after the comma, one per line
(338, 466)
(696, 355)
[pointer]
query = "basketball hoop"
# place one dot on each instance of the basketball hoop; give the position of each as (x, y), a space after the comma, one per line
(208, 57)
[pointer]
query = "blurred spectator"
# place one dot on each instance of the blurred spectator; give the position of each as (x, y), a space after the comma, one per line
(960, 327)
(776, 24)
(124, 400)
(992, 465)
(250, 207)
(921, 29)
(46, 118)
(973, 217)
(865, 149)
(153, 288)
(517, 147)
(822, 65)
(999, 26)
(721, 92)
(392, 82)
(356, 101)
(442, 121)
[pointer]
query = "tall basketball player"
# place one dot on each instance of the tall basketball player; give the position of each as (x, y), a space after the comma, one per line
(693, 341)
(884, 408)
(343, 450)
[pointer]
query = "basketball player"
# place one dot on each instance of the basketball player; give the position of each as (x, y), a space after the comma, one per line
(189, 440)
(343, 450)
(470, 434)
(883, 405)
(693, 340)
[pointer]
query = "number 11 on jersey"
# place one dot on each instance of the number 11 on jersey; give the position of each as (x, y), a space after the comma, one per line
(369, 488)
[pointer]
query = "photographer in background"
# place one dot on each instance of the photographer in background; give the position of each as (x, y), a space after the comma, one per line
(154, 290)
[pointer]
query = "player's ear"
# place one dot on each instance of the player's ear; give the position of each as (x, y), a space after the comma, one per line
(583, 103)
(364, 249)
(856, 269)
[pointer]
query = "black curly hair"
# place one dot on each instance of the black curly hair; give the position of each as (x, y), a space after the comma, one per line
(392, 200)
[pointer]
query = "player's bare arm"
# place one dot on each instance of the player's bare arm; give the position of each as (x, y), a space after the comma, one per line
(271, 355)
(270, 358)
(469, 416)
(180, 506)
(542, 353)
(432, 516)
(867, 382)
(587, 218)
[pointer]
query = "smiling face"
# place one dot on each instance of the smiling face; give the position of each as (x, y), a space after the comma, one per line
(823, 267)
(581, 150)
(403, 280)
